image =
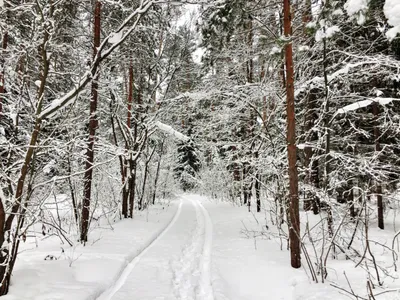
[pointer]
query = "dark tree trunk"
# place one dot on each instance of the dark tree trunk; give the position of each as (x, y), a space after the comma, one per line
(294, 230)
(133, 162)
(349, 198)
(2, 68)
(310, 162)
(93, 123)
(143, 205)
(7, 259)
(126, 188)
(157, 173)
(257, 187)
(72, 191)
(132, 185)
(375, 109)
(122, 161)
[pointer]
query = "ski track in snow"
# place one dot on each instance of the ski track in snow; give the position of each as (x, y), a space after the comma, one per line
(192, 270)
(192, 279)
(206, 290)
(110, 292)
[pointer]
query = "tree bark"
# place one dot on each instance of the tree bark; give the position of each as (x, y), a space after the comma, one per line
(7, 259)
(294, 230)
(126, 190)
(158, 172)
(375, 109)
(93, 124)
(2, 63)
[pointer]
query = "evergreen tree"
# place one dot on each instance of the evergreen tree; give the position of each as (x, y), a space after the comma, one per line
(187, 165)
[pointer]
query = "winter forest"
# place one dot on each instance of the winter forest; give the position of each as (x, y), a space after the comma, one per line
(199, 149)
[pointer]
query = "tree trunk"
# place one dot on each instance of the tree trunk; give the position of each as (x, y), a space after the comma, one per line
(93, 123)
(122, 161)
(72, 191)
(2, 68)
(132, 162)
(132, 184)
(257, 187)
(294, 230)
(143, 205)
(157, 173)
(7, 259)
(126, 190)
(375, 109)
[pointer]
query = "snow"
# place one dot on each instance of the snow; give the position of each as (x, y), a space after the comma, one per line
(116, 37)
(357, 8)
(83, 273)
(127, 271)
(176, 265)
(1, 3)
(275, 50)
(354, 6)
(49, 167)
(364, 103)
(311, 25)
(354, 106)
(198, 54)
(303, 48)
(337, 12)
(66, 99)
(326, 32)
(200, 250)
(392, 13)
(169, 130)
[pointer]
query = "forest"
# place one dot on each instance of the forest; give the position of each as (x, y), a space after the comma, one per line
(284, 113)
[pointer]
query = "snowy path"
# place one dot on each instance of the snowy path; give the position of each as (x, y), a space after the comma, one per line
(176, 265)
(192, 249)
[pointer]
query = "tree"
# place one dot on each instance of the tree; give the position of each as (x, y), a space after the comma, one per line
(93, 124)
(187, 165)
(294, 229)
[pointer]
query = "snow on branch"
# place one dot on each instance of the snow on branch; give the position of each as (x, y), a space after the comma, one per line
(364, 103)
(169, 130)
(115, 39)
(392, 13)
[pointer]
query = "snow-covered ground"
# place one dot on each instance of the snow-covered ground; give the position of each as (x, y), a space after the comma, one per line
(192, 249)
(81, 273)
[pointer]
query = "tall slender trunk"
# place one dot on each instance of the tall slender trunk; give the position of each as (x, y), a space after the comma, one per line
(2, 75)
(93, 123)
(126, 188)
(294, 230)
(72, 192)
(143, 205)
(378, 187)
(157, 172)
(121, 159)
(248, 168)
(132, 162)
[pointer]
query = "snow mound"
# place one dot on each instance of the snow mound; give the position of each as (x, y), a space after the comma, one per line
(392, 13)
(357, 8)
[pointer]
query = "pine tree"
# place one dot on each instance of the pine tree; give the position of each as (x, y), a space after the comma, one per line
(187, 165)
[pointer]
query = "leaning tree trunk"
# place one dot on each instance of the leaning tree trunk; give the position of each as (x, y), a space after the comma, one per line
(93, 122)
(294, 230)
(8, 254)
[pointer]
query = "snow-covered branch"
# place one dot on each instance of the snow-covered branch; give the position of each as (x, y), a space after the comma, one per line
(171, 131)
